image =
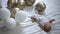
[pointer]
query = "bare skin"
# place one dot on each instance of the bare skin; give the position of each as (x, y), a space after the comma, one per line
(45, 26)
(33, 18)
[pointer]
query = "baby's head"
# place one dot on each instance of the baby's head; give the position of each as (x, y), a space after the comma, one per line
(40, 7)
(29, 2)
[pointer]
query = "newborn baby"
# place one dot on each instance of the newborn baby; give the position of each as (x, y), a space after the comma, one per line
(39, 18)
(42, 21)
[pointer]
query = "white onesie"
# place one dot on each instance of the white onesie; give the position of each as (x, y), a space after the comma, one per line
(41, 18)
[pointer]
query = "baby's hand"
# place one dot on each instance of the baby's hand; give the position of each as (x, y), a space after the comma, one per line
(33, 18)
(50, 21)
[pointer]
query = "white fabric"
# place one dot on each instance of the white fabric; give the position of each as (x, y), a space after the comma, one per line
(30, 28)
(1, 23)
(41, 18)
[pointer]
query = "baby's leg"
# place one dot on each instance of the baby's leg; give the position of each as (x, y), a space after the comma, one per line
(41, 25)
(45, 26)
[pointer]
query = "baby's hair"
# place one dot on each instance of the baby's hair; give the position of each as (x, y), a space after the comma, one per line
(40, 6)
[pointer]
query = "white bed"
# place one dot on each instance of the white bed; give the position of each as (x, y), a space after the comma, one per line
(53, 6)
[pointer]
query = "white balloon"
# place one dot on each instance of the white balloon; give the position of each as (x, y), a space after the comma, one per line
(10, 23)
(20, 16)
(4, 13)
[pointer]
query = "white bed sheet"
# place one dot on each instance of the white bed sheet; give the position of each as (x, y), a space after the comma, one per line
(32, 28)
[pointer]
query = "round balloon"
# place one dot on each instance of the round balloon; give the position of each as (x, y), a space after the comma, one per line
(20, 16)
(4, 13)
(10, 23)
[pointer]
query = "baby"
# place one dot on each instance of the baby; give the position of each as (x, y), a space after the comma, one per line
(39, 18)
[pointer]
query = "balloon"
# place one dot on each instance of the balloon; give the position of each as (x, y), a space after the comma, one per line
(4, 13)
(10, 23)
(20, 16)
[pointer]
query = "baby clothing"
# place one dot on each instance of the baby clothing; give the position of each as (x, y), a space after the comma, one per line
(41, 18)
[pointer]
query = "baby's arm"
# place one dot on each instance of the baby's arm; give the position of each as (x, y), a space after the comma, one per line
(51, 20)
(33, 18)
(46, 26)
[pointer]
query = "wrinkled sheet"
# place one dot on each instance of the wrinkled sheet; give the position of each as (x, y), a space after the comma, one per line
(32, 28)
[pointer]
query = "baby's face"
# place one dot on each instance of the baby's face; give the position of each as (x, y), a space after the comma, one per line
(40, 12)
